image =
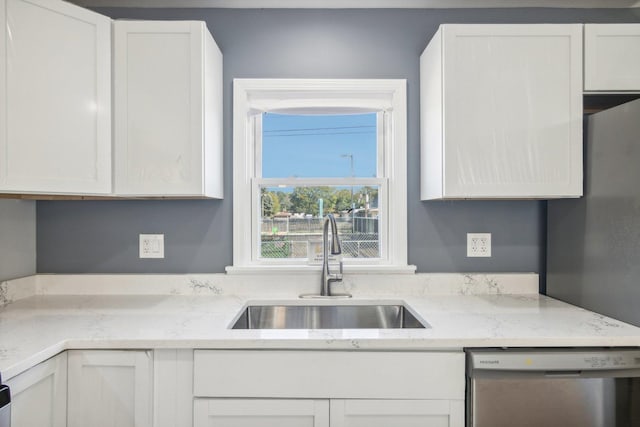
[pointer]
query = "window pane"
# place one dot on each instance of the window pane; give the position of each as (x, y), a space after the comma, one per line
(312, 146)
(292, 219)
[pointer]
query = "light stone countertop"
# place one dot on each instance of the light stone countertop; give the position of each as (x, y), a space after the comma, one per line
(473, 311)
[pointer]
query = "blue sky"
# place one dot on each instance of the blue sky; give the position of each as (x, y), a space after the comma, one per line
(309, 146)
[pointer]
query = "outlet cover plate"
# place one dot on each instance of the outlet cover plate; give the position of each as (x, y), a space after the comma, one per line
(152, 246)
(478, 244)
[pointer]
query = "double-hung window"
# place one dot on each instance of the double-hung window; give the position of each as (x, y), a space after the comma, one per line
(307, 148)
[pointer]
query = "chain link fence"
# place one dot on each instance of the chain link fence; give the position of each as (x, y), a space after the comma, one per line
(302, 225)
(289, 237)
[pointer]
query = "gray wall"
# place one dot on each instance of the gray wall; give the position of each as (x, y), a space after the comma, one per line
(17, 238)
(82, 237)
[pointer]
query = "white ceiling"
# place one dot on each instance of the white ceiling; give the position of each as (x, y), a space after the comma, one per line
(351, 4)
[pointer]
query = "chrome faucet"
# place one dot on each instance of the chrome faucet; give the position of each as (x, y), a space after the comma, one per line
(327, 278)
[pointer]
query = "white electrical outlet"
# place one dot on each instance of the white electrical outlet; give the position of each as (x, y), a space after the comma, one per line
(152, 246)
(478, 244)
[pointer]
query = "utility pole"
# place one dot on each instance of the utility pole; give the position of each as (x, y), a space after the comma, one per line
(353, 206)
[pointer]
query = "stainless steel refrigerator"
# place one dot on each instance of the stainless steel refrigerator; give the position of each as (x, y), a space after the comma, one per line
(593, 243)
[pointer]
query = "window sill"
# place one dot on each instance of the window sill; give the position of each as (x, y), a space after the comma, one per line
(315, 269)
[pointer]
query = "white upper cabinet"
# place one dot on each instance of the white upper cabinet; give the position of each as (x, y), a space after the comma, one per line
(168, 109)
(501, 112)
(55, 98)
(612, 57)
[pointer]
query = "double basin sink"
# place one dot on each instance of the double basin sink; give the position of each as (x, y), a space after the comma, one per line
(335, 316)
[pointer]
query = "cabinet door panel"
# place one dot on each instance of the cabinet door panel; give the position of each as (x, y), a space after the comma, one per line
(513, 102)
(612, 57)
(396, 413)
(502, 112)
(172, 387)
(261, 413)
(168, 109)
(110, 388)
(39, 395)
(158, 93)
(57, 103)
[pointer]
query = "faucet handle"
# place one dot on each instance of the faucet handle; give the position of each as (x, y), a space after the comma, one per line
(336, 277)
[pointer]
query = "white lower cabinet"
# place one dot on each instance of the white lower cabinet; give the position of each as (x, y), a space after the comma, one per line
(325, 413)
(39, 395)
(261, 413)
(172, 388)
(110, 388)
(396, 413)
(242, 388)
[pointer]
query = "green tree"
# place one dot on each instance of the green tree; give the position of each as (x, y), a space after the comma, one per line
(343, 200)
(305, 200)
(267, 203)
(276, 203)
(284, 199)
(329, 198)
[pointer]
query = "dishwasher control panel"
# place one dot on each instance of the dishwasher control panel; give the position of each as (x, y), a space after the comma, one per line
(553, 359)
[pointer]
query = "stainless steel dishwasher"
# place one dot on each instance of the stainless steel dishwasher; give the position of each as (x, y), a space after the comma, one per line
(567, 387)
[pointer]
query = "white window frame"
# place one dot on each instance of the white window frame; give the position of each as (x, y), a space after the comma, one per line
(252, 96)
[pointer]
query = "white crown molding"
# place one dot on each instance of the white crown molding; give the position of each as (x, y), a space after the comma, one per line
(360, 4)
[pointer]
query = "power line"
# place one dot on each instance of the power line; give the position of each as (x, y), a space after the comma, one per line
(320, 134)
(325, 128)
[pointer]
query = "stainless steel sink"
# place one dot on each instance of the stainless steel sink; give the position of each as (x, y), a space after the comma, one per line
(327, 317)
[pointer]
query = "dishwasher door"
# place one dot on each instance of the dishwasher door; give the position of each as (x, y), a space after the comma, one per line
(5, 406)
(551, 388)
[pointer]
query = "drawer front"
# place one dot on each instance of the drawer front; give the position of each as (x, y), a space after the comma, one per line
(261, 413)
(329, 374)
